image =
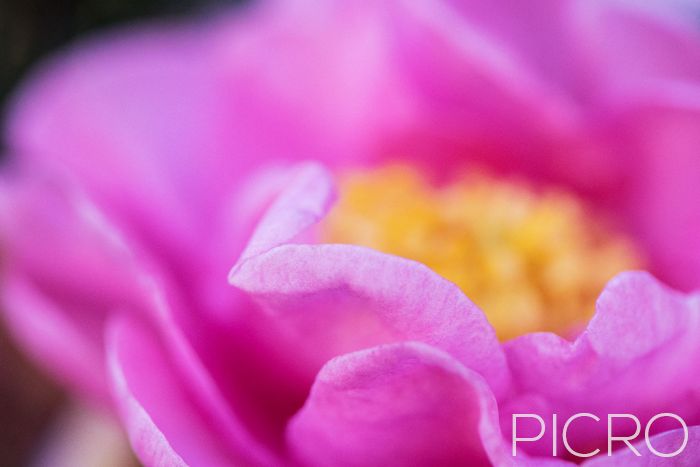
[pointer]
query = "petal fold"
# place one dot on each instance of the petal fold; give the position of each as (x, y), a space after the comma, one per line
(341, 298)
(400, 404)
(165, 426)
(66, 267)
(639, 355)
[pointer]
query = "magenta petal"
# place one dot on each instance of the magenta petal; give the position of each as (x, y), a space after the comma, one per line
(667, 442)
(230, 371)
(478, 100)
(401, 404)
(285, 65)
(340, 298)
(634, 47)
(640, 354)
(527, 30)
(636, 315)
(140, 118)
(66, 348)
(663, 136)
(300, 206)
(164, 424)
(66, 269)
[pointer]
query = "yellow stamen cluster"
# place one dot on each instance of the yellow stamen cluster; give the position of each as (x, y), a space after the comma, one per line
(533, 260)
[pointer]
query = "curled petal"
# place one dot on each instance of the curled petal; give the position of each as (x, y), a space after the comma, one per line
(301, 205)
(639, 355)
(400, 404)
(165, 425)
(227, 371)
(340, 298)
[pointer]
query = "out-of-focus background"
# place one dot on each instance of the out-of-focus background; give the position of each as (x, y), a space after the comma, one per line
(31, 29)
(30, 404)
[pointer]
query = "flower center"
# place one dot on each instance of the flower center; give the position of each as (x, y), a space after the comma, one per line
(532, 260)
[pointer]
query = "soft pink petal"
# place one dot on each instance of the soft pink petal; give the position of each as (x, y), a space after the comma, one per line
(478, 100)
(664, 136)
(667, 442)
(161, 124)
(67, 348)
(402, 404)
(584, 47)
(242, 373)
(528, 29)
(65, 268)
(135, 116)
(448, 91)
(639, 355)
(632, 48)
(309, 76)
(339, 298)
(68, 268)
(305, 201)
(527, 86)
(164, 424)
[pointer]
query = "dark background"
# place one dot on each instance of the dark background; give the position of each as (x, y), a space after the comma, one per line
(29, 31)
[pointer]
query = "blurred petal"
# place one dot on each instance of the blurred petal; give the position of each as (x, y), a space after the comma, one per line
(135, 117)
(287, 82)
(165, 426)
(662, 135)
(527, 29)
(478, 100)
(67, 267)
(66, 348)
(631, 48)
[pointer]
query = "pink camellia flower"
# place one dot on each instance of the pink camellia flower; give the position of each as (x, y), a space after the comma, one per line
(258, 236)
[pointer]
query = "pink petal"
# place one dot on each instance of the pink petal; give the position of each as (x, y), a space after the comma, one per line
(583, 48)
(528, 30)
(161, 124)
(401, 404)
(478, 100)
(66, 268)
(663, 135)
(340, 298)
(286, 66)
(165, 426)
(65, 347)
(632, 47)
(242, 373)
(305, 201)
(133, 116)
(667, 443)
(639, 355)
